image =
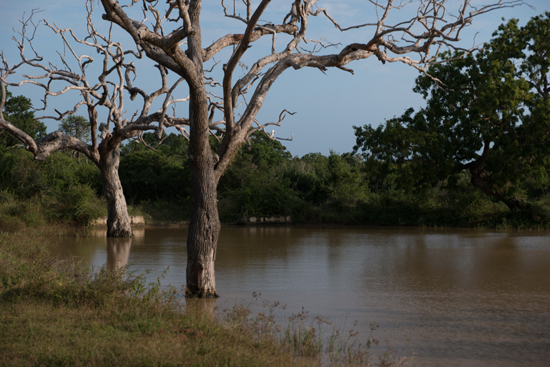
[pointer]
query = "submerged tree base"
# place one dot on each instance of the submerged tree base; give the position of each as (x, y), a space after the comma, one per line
(200, 293)
(119, 233)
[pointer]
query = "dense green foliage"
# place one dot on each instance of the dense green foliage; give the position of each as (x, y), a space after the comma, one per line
(56, 190)
(339, 189)
(18, 112)
(491, 119)
(253, 184)
(162, 174)
(76, 126)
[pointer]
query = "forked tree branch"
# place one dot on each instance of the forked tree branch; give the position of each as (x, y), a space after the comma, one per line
(113, 80)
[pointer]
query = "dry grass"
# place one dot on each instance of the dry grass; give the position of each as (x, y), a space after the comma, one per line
(39, 334)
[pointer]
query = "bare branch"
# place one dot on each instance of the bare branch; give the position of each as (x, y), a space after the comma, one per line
(262, 127)
(229, 101)
(107, 92)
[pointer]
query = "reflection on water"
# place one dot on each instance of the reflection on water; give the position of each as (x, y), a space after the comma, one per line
(462, 297)
(202, 306)
(118, 251)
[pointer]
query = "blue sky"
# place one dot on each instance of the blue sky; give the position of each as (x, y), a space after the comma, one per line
(326, 106)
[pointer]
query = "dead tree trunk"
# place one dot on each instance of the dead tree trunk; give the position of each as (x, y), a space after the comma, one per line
(118, 220)
(204, 229)
(204, 223)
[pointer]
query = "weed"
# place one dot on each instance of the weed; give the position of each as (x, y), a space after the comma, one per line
(317, 341)
(56, 312)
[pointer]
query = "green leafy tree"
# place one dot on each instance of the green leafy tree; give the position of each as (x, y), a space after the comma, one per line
(77, 127)
(170, 145)
(150, 175)
(18, 110)
(265, 151)
(253, 184)
(491, 118)
(260, 156)
(308, 176)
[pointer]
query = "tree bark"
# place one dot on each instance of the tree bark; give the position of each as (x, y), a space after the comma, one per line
(118, 220)
(204, 230)
(204, 223)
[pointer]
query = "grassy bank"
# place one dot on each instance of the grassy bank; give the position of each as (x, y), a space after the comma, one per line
(57, 313)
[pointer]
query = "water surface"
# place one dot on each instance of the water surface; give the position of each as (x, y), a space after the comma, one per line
(451, 297)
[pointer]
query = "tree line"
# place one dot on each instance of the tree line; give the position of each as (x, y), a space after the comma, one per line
(264, 180)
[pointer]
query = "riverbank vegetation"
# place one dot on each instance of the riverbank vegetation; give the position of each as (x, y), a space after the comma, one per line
(264, 180)
(55, 312)
(476, 155)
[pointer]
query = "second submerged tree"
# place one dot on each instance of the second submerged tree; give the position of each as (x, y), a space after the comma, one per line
(100, 88)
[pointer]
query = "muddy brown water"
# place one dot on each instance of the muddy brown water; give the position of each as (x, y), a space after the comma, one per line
(449, 297)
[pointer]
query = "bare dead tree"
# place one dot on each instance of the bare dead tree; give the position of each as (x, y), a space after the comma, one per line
(106, 90)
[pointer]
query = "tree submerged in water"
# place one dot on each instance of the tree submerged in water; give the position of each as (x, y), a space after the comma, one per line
(98, 141)
(172, 37)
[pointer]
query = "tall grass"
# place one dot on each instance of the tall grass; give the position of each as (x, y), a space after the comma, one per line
(55, 312)
(317, 340)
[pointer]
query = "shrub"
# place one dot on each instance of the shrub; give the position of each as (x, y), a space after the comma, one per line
(77, 203)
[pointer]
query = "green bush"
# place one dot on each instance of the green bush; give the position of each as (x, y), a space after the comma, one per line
(58, 189)
(261, 197)
(24, 177)
(28, 211)
(148, 175)
(10, 224)
(77, 203)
